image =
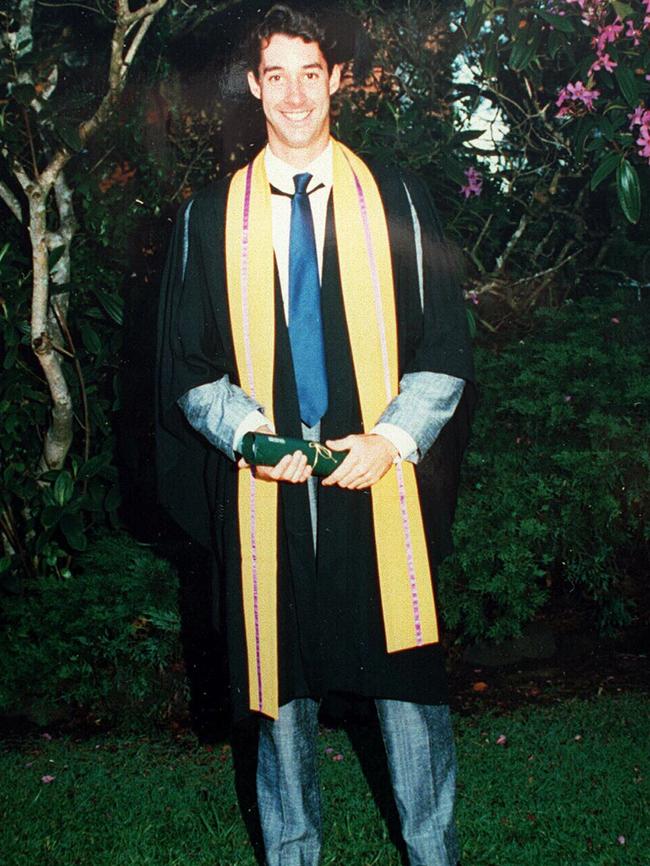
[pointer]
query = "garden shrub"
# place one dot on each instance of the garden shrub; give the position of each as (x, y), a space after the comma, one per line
(105, 642)
(556, 477)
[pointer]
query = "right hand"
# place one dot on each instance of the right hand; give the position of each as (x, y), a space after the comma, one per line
(293, 468)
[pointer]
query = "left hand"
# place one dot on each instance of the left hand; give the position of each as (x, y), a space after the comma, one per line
(370, 458)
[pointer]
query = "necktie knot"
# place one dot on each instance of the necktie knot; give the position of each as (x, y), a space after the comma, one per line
(301, 182)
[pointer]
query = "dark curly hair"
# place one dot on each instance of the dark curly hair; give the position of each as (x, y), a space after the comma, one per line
(290, 22)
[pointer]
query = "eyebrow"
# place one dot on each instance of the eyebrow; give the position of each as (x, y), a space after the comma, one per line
(280, 68)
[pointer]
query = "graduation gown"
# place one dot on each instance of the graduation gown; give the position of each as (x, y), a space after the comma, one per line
(330, 629)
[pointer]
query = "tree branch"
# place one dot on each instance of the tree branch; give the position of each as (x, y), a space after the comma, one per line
(11, 201)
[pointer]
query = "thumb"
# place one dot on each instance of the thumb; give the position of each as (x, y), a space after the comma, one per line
(340, 444)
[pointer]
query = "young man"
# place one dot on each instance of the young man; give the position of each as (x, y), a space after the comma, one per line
(311, 296)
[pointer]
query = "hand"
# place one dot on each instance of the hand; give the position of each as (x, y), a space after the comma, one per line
(370, 458)
(292, 468)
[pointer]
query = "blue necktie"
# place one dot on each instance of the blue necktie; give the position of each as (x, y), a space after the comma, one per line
(305, 320)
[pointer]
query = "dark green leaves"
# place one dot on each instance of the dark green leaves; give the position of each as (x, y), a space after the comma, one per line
(606, 166)
(559, 22)
(525, 45)
(628, 84)
(629, 191)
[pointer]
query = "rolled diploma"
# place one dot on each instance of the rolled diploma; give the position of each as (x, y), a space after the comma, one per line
(267, 449)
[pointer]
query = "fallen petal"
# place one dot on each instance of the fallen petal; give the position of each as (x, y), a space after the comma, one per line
(501, 740)
(47, 779)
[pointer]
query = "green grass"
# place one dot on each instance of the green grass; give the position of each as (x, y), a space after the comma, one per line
(570, 783)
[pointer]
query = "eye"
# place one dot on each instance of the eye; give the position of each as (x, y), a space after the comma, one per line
(274, 78)
(312, 76)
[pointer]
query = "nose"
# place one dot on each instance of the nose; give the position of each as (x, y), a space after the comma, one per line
(294, 94)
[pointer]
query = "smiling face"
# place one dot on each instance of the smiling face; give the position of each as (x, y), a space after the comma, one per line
(295, 86)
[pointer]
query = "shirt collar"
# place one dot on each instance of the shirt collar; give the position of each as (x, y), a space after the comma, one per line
(281, 174)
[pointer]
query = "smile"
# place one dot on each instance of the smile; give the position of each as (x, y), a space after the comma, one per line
(296, 116)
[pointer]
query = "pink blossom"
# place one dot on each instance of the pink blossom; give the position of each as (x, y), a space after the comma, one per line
(615, 320)
(639, 116)
(501, 740)
(47, 779)
(46, 736)
(575, 93)
(620, 840)
(338, 757)
(474, 183)
(329, 750)
(644, 142)
(631, 32)
(603, 61)
(473, 296)
(609, 33)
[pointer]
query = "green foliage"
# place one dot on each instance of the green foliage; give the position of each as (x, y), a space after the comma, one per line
(556, 480)
(104, 642)
(46, 515)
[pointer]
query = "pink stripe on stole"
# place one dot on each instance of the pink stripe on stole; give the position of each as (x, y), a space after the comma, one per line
(251, 387)
(379, 312)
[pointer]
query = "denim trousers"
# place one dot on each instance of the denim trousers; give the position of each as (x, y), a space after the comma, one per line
(422, 766)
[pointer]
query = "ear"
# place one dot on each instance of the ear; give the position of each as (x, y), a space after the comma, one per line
(254, 85)
(335, 78)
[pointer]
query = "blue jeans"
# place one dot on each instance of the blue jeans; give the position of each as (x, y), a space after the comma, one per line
(422, 765)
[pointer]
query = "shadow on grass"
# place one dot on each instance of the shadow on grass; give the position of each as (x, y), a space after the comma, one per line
(358, 717)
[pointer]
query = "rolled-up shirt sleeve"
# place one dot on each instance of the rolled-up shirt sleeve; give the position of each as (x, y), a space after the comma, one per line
(415, 417)
(223, 413)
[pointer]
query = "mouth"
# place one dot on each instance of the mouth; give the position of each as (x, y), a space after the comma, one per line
(296, 116)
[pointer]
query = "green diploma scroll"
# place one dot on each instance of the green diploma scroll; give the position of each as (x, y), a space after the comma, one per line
(266, 449)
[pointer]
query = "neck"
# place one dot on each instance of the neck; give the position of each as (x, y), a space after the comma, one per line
(298, 157)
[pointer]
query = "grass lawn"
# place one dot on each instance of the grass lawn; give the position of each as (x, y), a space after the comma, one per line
(568, 788)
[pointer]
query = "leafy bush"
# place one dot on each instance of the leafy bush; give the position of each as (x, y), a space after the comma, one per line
(105, 641)
(556, 479)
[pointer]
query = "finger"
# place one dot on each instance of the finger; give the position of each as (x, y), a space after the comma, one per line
(242, 464)
(343, 471)
(341, 444)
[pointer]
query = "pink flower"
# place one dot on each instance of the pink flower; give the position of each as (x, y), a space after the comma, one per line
(501, 740)
(329, 750)
(610, 33)
(474, 183)
(603, 61)
(568, 398)
(473, 296)
(620, 840)
(46, 736)
(575, 94)
(639, 116)
(631, 32)
(47, 779)
(644, 142)
(338, 757)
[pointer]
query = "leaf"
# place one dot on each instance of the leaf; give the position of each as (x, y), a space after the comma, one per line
(559, 22)
(605, 167)
(63, 487)
(73, 528)
(474, 20)
(491, 61)
(471, 323)
(91, 339)
(113, 498)
(524, 48)
(24, 94)
(54, 256)
(113, 304)
(93, 466)
(623, 10)
(69, 135)
(555, 43)
(628, 84)
(629, 191)
(50, 515)
(467, 135)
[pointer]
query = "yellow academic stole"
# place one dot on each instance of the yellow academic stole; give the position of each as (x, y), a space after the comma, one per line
(369, 299)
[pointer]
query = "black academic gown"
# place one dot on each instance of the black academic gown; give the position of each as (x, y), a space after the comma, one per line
(330, 625)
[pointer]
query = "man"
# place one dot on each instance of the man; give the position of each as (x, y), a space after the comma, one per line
(313, 297)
